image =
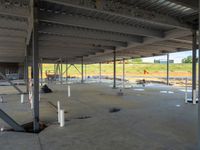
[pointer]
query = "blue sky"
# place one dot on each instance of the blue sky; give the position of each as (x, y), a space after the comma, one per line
(177, 57)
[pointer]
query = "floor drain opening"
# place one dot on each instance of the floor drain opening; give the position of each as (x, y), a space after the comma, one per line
(113, 110)
(83, 117)
(28, 127)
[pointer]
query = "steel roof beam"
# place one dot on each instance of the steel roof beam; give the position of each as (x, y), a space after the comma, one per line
(98, 24)
(76, 40)
(11, 59)
(13, 10)
(67, 45)
(12, 32)
(67, 31)
(105, 7)
(7, 39)
(13, 23)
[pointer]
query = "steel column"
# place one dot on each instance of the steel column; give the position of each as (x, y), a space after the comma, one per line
(82, 76)
(41, 72)
(199, 85)
(26, 70)
(85, 72)
(123, 72)
(35, 50)
(100, 72)
(167, 69)
(66, 70)
(194, 58)
(114, 69)
(61, 72)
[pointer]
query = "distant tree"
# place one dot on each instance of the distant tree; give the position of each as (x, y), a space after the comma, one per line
(137, 60)
(187, 59)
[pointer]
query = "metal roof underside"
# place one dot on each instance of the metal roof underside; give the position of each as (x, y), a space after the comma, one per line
(92, 29)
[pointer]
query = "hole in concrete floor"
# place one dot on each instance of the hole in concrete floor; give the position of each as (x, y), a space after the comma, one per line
(83, 117)
(113, 110)
(190, 101)
(29, 127)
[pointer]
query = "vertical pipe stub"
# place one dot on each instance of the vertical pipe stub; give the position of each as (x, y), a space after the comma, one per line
(62, 118)
(22, 98)
(58, 110)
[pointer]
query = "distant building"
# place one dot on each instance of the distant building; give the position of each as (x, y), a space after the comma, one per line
(163, 61)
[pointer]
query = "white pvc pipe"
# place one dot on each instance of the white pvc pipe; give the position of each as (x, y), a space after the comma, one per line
(62, 118)
(1, 99)
(186, 91)
(31, 103)
(194, 97)
(58, 109)
(69, 91)
(22, 98)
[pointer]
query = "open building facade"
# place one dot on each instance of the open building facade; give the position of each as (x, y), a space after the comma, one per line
(36, 32)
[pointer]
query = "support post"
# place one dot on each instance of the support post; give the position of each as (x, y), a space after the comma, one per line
(100, 72)
(61, 72)
(194, 57)
(35, 50)
(26, 69)
(41, 72)
(85, 72)
(199, 86)
(167, 69)
(123, 73)
(66, 69)
(82, 76)
(114, 69)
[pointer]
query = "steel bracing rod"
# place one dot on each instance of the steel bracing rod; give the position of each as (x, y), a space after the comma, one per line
(194, 57)
(35, 49)
(167, 69)
(114, 69)
(67, 68)
(10, 121)
(77, 69)
(4, 77)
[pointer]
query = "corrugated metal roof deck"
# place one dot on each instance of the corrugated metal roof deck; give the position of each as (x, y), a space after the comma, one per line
(93, 29)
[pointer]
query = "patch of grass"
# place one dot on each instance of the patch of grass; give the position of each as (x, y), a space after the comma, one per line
(93, 69)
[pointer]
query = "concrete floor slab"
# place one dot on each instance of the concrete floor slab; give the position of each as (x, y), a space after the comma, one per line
(147, 120)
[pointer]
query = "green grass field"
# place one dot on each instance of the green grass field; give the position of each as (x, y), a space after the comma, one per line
(131, 69)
